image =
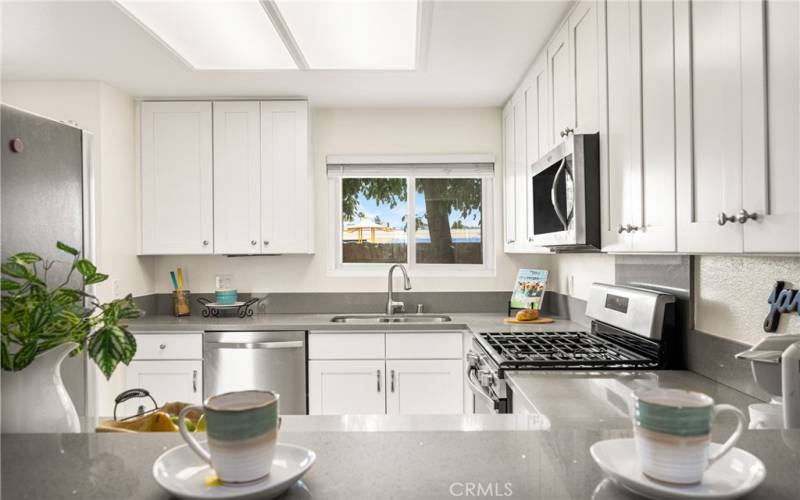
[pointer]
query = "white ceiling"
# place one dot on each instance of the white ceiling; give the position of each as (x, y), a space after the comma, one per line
(476, 54)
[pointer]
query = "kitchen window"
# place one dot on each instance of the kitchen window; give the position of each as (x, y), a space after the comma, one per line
(430, 213)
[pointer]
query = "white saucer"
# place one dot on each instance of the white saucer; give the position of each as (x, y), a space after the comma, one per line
(184, 474)
(734, 475)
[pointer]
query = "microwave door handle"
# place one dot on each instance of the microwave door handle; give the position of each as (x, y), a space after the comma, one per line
(571, 208)
(553, 197)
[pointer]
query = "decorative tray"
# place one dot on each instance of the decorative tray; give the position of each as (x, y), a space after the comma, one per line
(212, 309)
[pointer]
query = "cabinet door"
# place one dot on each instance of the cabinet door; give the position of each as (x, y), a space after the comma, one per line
(425, 387)
(167, 381)
(559, 85)
(622, 191)
(346, 387)
(237, 176)
(509, 179)
(773, 192)
(286, 181)
(520, 172)
(177, 193)
(720, 119)
(537, 128)
(584, 40)
(654, 200)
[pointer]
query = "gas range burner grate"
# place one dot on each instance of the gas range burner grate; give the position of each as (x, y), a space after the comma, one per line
(573, 349)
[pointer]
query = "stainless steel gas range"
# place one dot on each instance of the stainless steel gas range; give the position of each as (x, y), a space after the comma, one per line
(631, 329)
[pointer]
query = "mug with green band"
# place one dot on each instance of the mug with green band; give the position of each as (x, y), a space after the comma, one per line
(242, 430)
(672, 430)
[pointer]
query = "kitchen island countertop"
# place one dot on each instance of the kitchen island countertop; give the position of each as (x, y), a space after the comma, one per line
(502, 453)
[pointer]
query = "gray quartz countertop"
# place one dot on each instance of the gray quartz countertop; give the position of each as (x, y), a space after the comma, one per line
(322, 322)
(602, 400)
(372, 463)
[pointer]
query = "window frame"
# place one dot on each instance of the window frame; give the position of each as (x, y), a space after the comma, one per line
(411, 173)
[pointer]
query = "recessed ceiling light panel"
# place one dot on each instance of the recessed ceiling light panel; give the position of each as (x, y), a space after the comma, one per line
(215, 35)
(356, 34)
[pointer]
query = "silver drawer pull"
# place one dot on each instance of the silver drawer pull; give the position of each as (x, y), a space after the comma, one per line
(295, 344)
(379, 380)
(392, 378)
(194, 380)
(743, 216)
(162, 346)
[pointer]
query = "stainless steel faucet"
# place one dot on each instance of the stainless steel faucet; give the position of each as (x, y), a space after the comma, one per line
(392, 306)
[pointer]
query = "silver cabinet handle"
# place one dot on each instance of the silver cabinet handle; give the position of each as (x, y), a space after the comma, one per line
(379, 380)
(743, 215)
(566, 132)
(510, 241)
(266, 242)
(293, 344)
(162, 346)
(630, 228)
(392, 379)
(205, 243)
(722, 219)
(253, 242)
(621, 229)
(194, 380)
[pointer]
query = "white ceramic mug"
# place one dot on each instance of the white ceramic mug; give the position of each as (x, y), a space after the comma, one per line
(242, 431)
(672, 428)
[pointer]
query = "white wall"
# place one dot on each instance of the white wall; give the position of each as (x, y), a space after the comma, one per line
(109, 114)
(365, 131)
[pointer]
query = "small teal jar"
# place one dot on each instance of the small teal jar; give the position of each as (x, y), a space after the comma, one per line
(226, 297)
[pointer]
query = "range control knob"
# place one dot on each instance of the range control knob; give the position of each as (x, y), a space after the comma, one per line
(485, 377)
(472, 360)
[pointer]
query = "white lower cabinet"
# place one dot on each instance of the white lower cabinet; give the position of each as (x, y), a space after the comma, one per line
(167, 381)
(346, 387)
(169, 366)
(424, 387)
(410, 373)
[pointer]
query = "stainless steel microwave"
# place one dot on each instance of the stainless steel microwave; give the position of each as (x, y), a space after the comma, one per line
(566, 195)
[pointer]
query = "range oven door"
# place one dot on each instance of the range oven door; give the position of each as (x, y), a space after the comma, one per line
(553, 198)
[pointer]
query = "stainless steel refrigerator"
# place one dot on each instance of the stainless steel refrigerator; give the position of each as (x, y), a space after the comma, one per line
(45, 198)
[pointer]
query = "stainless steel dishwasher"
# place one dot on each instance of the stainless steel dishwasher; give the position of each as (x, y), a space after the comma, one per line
(235, 361)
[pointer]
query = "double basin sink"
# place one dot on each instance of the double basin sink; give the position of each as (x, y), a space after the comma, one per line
(391, 318)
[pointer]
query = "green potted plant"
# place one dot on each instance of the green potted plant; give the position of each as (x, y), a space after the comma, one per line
(42, 323)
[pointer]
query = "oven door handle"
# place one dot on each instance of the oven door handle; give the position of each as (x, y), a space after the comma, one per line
(553, 194)
(478, 390)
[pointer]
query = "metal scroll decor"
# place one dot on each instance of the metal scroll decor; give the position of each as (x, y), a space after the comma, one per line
(781, 300)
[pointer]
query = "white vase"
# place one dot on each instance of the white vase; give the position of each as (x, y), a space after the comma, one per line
(34, 399)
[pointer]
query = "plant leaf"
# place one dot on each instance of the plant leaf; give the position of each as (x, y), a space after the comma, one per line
(24, 356)
(15, 270)
(7, 285)
(26, 258)
(66, 248)
(96, 278)
(39, 317)
(110, 345)
(86, 268)
(5, 356)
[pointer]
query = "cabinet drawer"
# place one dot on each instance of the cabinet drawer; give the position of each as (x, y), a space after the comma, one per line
(346, 346)
(424, 345)
(169, 346)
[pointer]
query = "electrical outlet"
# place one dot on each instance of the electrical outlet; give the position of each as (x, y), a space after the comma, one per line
(571, 285)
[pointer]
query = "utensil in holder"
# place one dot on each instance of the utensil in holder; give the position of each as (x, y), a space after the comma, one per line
(180, 303)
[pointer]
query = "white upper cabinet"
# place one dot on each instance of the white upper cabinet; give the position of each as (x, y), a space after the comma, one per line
(245, 188)
(584, 41)
(559, 85)
(509, 180)
(772, 192)
(286, 178)
(537, 127)
(721, 119)
(237, 176)
(176, 174)
(638, 196)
